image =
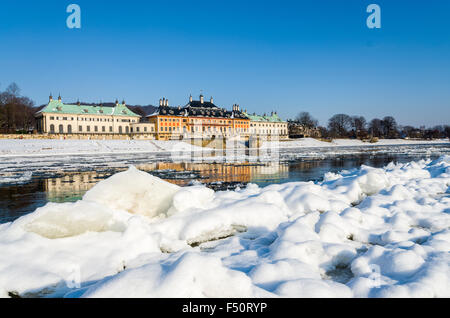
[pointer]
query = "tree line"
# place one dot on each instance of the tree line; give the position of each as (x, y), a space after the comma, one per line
(16, 111)
(346, 126)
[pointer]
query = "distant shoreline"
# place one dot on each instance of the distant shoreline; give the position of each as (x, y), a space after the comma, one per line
(55, 147)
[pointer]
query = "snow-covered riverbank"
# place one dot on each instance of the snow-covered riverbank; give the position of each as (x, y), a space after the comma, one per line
(362, 233)
(315, 143)
(52, 147)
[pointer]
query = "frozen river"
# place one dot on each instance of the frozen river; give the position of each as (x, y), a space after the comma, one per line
(27, 183)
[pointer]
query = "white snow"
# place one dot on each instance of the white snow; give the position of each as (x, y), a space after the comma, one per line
(313, 143)
(361, 233)
(134, 191)
(49, 147)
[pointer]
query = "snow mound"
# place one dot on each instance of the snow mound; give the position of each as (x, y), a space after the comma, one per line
(72, 219)
(191, 275)
(360, 233)
(134, 191)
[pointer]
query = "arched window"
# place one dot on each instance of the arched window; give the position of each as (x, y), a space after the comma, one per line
(120, 129)
(61, 129)
(69, 129)
(127, 129)
(52, 128)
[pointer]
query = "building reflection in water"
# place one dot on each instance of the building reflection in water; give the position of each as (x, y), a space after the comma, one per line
(71, 187)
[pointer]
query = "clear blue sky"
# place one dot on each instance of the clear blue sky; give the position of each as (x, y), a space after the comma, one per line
(317, 55)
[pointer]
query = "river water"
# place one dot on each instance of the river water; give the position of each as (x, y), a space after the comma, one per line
(67, 178)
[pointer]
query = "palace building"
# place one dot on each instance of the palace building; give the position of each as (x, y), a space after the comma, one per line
(266, 126)
(89, 120)
(198, 119)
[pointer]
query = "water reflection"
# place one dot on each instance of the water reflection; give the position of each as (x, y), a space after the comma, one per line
(17, 200)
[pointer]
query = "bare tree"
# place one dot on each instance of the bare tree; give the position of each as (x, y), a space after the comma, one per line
(16, 111)
(389, 127)
(305, 119)
(375, 127)
(447, 131)
(359, 125)
(339, 125)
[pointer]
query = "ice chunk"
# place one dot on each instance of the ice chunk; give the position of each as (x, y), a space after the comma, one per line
(134, 191)
(71, 219)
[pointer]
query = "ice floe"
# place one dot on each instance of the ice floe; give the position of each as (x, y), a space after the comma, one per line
(368, 232)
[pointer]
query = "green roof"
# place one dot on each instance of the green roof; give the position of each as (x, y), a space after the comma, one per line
(57, 107)
(274, 118)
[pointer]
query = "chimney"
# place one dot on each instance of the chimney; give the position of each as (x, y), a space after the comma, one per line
(201, 99)
(123, 103)
(59, 98)
(211, 100)
(50, 98)
(78, 102)
(237, 107)
(160, 102)
(190, 99)
(117, 102)
(167, 102)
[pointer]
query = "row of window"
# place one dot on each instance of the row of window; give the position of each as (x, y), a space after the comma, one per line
(94, 119)
(267, 125)
(204, 129)
(269, 131)
(201, 120)
(69, 129)
(144, 130)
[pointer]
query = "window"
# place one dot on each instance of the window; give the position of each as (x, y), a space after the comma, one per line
(69, 129)
(52, 128)
(96, 128)
(88, 128)
(80, 128)
(52, 118)
(110, 128)
(61, 129)
(103, 128)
